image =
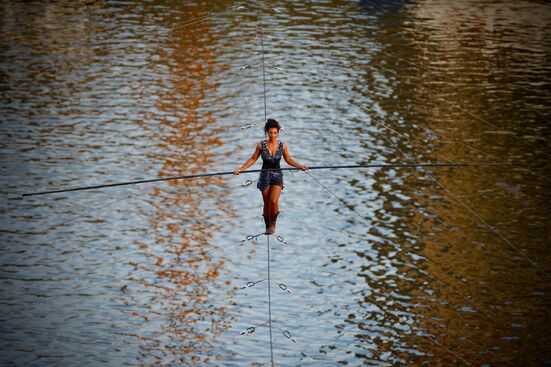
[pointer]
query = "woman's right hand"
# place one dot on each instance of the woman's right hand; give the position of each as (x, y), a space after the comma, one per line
(236, 172)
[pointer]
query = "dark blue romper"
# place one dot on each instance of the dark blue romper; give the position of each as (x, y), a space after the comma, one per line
(275, 177)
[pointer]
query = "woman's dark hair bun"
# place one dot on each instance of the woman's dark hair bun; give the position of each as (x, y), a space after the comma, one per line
(271, 123)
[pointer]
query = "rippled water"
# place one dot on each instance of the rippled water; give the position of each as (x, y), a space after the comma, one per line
(444, 266)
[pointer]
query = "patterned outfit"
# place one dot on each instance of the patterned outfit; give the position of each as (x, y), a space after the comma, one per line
(271, 162)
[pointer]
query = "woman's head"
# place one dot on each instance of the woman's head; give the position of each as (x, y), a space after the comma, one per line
(272, 128)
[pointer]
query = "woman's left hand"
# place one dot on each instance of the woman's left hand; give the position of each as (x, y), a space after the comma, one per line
(303, 168)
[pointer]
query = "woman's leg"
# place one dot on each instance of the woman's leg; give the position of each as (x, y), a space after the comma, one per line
(266, 208)
(266, 199)
(273, 199)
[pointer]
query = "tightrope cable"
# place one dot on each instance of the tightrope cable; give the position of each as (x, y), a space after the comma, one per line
(267, 236)
(270, 303)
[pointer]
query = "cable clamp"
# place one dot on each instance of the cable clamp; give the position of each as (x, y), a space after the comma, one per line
(251, 329)
(246, 126)
(247, 183)
(253, 236)
(288, 335)
(282, 240)
(251, 284)
(248, 330)
(284, 287)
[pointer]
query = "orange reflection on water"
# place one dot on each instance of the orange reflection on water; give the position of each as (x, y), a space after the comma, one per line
(482, 306)
(181, 223)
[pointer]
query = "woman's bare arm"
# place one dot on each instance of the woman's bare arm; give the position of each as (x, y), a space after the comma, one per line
(290, 161)
(251, 160)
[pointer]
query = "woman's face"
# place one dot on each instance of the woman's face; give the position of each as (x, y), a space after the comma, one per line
(273, 133)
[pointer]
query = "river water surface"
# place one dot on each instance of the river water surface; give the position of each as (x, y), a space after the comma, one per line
(387, 267)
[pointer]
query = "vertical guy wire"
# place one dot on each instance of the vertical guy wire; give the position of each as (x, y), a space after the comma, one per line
(267, 236)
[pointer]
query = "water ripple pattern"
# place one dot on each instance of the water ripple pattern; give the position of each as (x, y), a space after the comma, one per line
(378, 267)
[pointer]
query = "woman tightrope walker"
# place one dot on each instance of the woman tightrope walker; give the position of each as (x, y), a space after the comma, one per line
(270, 181)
